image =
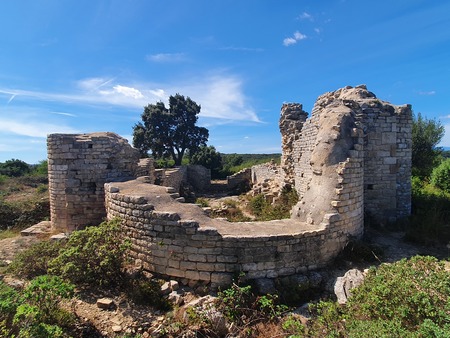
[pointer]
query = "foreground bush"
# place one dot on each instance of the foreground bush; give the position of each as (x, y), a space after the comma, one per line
(93, 256)
(410, 298)
(35, 260)
(35, 311)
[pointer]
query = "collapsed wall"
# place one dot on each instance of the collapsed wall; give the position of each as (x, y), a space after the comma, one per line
(78, 167)
(351, 157)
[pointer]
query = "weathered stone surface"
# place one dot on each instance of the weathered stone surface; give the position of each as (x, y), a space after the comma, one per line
(175, 298)
(105, 303)
(344, 285)
(116, 328)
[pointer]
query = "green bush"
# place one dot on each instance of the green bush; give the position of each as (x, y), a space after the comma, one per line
(14, 168)
(242, 307)
(266, 211)
(23, 213)
(440, 177)
(93, 256)
(35, 260)
(409, 298)
(145, 291)
(430, 220)
(35, 311)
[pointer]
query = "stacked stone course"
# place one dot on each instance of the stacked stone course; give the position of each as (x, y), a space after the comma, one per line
(212, 251)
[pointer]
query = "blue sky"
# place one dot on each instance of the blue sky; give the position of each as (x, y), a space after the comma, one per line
(91, 65)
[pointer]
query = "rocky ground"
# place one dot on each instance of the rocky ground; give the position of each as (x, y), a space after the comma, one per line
(110, 314)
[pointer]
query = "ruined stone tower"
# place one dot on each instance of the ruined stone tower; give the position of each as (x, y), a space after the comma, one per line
(78, 167)
(353, 156)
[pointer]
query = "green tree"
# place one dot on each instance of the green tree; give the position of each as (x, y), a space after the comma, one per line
(209, 158)
(41, 168)
(14, 168)
(170, 132)
(426, 134)
(440, 177)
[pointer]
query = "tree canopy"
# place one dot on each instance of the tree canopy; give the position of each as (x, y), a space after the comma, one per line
(209, 158)
(170, 132)
(14, 168)
(426, 134)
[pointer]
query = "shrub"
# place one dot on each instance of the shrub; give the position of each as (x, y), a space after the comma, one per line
(35, 260)
(440, 177)
(242, 307)
(93, 256)
(430, 219)
(281, 208)
(45, 293)
(203, 202)
(145, 291)
(14, 168)
(23, 213)
(35, 311)
(410, 298)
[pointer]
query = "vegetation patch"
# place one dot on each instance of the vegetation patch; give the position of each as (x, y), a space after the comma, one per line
(409, 298)
(35, 311)
(264, 210)
(93, 256)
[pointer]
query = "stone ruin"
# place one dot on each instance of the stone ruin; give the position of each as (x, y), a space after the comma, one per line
(350, 160)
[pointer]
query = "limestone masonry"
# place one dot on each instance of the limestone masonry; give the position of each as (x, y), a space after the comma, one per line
(350, 159)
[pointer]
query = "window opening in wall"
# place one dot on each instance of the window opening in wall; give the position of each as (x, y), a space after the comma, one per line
(369, 187)
(90, 145)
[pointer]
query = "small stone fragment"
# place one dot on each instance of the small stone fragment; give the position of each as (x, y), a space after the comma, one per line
(116, 328)
(165, 288)
(105, 303)
(174, 285)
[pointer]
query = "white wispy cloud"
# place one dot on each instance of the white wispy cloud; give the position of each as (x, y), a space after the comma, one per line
(220, 96)
(242, 49)
(128, 91)
(166, 57)
(299, 36)
(32, 128)
(305, 16)
(294, 39)
(289, 41)
(427, 93)
(62, 113)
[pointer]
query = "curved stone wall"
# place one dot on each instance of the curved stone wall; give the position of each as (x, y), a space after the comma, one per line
(179, 240)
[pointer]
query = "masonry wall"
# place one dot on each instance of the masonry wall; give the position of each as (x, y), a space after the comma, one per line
(199, 177)
(351, 123)
(242, 177)
(291, 124)
(78, 167)
(387, 160)
(146, 167)
(192, 250)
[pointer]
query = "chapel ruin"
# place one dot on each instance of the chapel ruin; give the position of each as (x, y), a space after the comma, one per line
(350, 160)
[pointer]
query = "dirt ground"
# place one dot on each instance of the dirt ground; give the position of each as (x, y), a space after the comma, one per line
(126, 318)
